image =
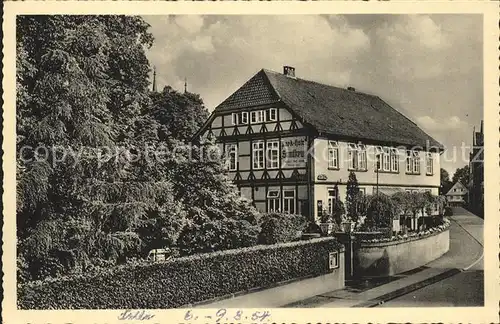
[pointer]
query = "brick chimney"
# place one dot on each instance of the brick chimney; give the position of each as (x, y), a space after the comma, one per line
(289, 71)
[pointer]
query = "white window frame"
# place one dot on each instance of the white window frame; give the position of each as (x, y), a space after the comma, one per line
(409, 162)
(289, 202)
(331, 199)
(394, 160)
(232, 153)
(379, 158)
(362, 160)
(386, 159)
(333, 155)
(253, 117)
(429, 167)
(273, 200)
(273, 146)
(416, 162)
(234, 119)
(258, 155)
(262, 116)
(244, 118)
(352, 156)
(271, 117)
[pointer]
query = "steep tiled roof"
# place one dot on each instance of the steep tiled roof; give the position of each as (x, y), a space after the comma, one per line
(256, 91)
(330, 110)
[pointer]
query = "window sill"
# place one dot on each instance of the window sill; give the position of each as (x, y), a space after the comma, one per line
(412, 173)
(333, 168)
(358, 170)
(390, 172)
(429, 174)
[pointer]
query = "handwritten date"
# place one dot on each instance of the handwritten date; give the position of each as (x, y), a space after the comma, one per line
(225, 315)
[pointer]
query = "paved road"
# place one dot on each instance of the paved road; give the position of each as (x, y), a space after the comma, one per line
(465, 288)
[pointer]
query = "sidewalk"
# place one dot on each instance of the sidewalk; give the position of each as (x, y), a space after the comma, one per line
(465, 248)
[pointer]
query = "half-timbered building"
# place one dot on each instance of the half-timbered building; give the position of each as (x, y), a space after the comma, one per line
(291, 144)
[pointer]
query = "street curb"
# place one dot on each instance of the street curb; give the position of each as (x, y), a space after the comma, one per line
(408, 289)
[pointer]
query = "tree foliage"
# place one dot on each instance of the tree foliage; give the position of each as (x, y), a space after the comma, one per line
(462, 175)
(352, 196)
(445, 184)
(180, 115)
(91, 189)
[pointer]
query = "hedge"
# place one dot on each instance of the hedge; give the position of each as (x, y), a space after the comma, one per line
(181, 281)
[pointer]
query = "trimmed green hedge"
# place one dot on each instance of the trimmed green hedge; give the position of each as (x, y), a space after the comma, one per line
(181, 281)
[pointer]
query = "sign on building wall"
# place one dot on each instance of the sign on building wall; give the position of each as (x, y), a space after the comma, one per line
(293, 152)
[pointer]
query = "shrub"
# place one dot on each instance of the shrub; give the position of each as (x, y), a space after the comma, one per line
(181, 281)
(280, 228)
(380, 212)
(312, 227)
(337, 215)
(203, 235)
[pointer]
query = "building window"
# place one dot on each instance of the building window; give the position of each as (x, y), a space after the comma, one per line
(409, 162)
(332, 196)
(416, 163)
(429, 164)
(272, 154)
(394, 160)
(273, 114)
(273, 201)
(232, 154)
(258, 155)
(244, 118)
(361, 157)
(386, 163)
(383, 159)
(333, 155)
(253, 117)
(257, 116)
(412, 162)
(289, 201)
(240, 118)
(333, 260)
(352, 156)
(261, 116)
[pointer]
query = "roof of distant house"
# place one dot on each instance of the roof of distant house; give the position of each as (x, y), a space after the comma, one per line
(330, 110)
(457, 185)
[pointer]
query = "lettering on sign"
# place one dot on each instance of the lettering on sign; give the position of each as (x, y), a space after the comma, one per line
(293, 152)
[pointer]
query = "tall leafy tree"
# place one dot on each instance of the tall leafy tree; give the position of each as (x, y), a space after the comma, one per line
(462, 175)
(180, 114)
(352, 196)
(446, 184)
(82, 87)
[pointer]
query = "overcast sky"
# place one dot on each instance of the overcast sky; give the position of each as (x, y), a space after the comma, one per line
(429, 67)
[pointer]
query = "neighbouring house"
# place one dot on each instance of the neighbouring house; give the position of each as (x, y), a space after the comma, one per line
(476, 168)
(291, 144)
(456, 196)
